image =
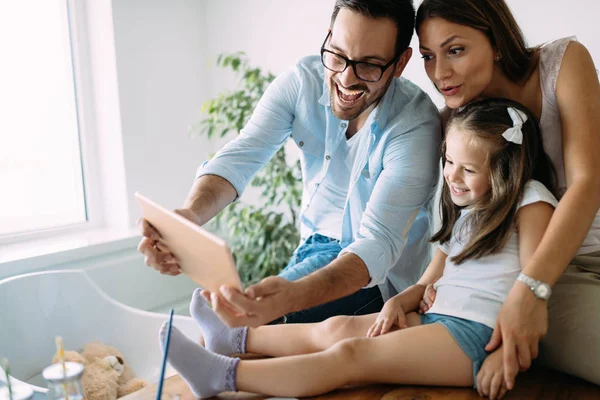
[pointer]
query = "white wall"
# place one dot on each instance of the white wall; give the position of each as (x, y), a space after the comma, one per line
(297, 28)
(160, 47)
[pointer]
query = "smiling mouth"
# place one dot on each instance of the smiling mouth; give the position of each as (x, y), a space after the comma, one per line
(450, 90)
(346, 96)
(458, 191)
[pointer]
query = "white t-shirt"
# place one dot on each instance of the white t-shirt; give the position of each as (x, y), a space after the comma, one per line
(476, 289)
(327, 209)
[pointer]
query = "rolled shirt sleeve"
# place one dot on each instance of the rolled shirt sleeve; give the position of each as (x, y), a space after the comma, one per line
(264, 134)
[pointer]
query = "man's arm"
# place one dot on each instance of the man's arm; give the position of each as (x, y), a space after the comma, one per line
(208, 196)
(225, 176)
(274, 296)
(342, 277)
(348, 273)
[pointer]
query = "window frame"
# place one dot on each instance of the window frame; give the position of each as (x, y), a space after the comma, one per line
(105, 210)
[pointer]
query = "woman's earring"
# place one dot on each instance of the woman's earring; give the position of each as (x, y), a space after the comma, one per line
(497, 57)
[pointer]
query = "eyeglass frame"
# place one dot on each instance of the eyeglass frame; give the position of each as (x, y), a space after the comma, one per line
(353, 63)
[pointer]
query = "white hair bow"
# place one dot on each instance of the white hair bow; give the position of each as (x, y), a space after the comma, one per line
(515, 134)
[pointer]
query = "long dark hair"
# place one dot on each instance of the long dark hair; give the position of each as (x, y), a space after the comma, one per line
(512, 165)
(495, 20)
(402, 12)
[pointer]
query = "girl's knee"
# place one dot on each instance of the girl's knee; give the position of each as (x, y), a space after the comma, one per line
(332, 327)
(350, 350)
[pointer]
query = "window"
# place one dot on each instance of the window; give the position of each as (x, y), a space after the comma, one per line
(41, 174)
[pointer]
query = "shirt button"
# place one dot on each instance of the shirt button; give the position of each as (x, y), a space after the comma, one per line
(327, 157)
(301, 144)
(343, 124)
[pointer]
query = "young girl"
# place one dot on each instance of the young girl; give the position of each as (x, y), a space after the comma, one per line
(495, 209)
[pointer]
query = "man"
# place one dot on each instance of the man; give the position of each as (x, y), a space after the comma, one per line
(369, 152)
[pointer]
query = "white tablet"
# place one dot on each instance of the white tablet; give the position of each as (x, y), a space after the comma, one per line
(203, 257)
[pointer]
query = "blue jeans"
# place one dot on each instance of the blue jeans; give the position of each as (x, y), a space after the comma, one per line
(316, 252)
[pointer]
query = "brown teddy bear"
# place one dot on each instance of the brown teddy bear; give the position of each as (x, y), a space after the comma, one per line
(107, 376)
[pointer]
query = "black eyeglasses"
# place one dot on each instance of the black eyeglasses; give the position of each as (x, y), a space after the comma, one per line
(363, 70)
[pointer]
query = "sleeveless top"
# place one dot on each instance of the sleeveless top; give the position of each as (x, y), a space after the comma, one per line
(551, 56)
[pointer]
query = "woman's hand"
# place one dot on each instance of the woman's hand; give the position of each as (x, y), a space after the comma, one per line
(490, 379)
(428, 299)
(391, 314)
(521, 323)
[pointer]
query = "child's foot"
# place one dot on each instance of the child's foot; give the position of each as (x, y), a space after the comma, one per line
(207, 374)
(218, 338)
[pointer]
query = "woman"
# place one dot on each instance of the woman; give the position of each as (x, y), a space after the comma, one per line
(475, 49)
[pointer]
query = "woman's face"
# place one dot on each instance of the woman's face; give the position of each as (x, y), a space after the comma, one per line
(458, 59)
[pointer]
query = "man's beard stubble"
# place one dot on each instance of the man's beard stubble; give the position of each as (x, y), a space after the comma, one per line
(333, 104)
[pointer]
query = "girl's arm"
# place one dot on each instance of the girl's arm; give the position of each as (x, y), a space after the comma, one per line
(532, 221)
(578, 98)
(394, 310)
(409, 298)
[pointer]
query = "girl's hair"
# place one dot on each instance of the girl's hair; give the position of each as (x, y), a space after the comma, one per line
(495, 20)
(511, 166)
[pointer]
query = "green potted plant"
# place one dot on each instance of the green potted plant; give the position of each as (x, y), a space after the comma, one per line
(263, 238)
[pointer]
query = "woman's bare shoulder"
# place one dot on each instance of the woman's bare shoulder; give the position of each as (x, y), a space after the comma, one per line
(577, 61)
(577, 83)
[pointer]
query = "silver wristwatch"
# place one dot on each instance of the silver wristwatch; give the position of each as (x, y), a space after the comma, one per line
(540, 289)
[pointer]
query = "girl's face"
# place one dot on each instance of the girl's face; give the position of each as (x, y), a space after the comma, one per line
(458, 59)
(466, 170)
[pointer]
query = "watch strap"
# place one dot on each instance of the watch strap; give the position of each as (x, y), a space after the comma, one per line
(534, 284)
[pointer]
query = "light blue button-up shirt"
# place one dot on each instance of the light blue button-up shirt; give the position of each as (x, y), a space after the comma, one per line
(387, 215)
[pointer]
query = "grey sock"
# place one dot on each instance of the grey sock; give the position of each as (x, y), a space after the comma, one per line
(207, 374)
(218, 338)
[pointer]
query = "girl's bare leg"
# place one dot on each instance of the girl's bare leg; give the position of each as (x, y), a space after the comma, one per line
(277, 340)
(421, 355)
(294, 339)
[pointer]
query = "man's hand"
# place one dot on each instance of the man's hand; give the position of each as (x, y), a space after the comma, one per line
(391, 314)
(156, 253)
(490, 379)
(260, 304)
(521, 323)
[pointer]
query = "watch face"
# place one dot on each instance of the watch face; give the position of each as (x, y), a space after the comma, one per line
(542, 291)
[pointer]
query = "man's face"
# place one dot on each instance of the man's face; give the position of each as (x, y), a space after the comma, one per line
(360, 38)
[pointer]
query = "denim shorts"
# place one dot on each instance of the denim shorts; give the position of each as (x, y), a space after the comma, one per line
(471, 336)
